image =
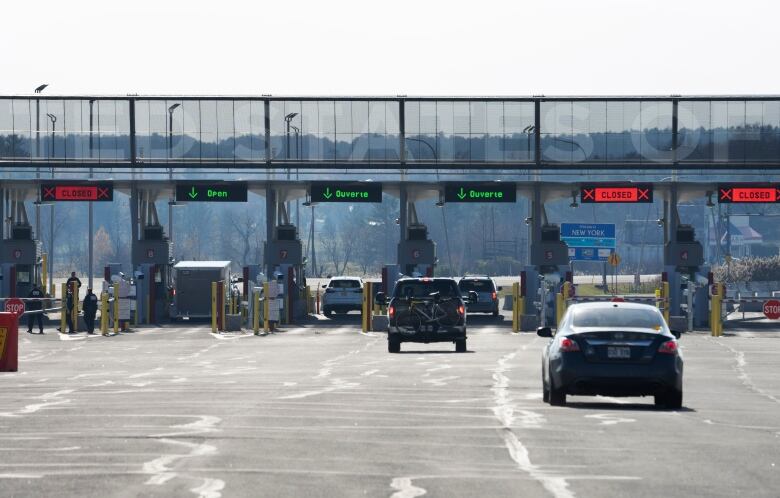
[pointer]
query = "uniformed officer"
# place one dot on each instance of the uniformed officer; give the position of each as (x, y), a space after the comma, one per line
(73, 278)
(90, 308)
(35, 305)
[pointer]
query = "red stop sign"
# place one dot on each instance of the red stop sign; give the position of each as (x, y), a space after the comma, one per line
(16, 306)
(772, 309)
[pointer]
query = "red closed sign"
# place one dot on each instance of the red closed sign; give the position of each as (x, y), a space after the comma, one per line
(15, 306)
(772, 309)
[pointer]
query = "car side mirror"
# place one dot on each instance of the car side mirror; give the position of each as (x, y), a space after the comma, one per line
(676, 333)
(324, 286)
(473, 296)
(544, 332)
(381, 298)
(500, 288)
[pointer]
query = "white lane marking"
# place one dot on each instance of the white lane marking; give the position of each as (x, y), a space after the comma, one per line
(504, 411)
(145, 374)
(67, 337)
(741, 363)
(289, 384)
(229, 337)
(69, 448)
(160, 468)
(368, 373)
(49, 399)
(610, 399)
(210, 488)
(179, 379)
(196, 354)
(441, 381)
(405, 489)
(336, 384)
(20, 476)
(609, 419)
(555, 485)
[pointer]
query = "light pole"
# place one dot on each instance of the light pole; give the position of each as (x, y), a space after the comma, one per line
(288, 119)
(38, 89)
(439, 204)
(297, 157)
(91, 215)
(53, 119)
(170, 170)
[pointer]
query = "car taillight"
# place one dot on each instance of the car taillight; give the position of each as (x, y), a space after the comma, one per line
(461, 310)
(391, 311)
(495, 296)
(568, 345)
(669, 347)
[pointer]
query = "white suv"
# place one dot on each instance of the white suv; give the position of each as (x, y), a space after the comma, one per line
(342, 294)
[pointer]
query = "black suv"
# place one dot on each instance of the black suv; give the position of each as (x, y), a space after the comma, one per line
(426, 310)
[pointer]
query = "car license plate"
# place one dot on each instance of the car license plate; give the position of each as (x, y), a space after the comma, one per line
(618, 353)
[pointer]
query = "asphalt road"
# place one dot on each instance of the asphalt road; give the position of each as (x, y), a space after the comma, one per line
(324, 410)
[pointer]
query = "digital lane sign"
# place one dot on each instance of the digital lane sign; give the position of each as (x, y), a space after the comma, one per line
(480, 192)
(211, 192)
(630, 193)
(748, 193)
(98, 192)
(346, 192)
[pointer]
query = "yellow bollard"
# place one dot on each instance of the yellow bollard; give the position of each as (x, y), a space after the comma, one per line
(75, 313)
(223, 309)
(64, 308)
(566, 291)
(716, 321)
(266, 308)
(365, 311)
(666, 301)
(308, 300)
(213, 307)
(256, 315)
(559, 305)
(44, 270)
(104, 313)
(116, 308)
(515, 307)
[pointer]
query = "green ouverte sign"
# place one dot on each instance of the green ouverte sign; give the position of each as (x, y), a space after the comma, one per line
(480, 192)
(346, 192)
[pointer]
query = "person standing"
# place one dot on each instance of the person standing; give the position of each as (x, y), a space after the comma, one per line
(36, 304)
(74, 278)
(90, 308)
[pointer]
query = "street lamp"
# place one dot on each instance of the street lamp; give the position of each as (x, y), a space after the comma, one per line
(38, 89)
(90, 222)
(53, 119)
(172, 201)
(288, 120)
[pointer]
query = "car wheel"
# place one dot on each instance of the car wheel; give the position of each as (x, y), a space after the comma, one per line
(460, 346)
(671, 400)
(545, 393)
(393, 346)
(495, 312)
(327, 312)
(557, 396)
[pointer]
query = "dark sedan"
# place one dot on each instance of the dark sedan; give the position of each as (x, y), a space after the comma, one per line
(612, 349)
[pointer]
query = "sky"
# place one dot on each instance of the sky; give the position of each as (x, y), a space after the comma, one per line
(372, 47)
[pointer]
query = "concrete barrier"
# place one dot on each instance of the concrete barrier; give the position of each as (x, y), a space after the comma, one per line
(379, 323)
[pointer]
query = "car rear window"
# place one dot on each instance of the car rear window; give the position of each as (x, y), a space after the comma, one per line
(424, 288)
(476, 285)
(344, 284)
(617, 317)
